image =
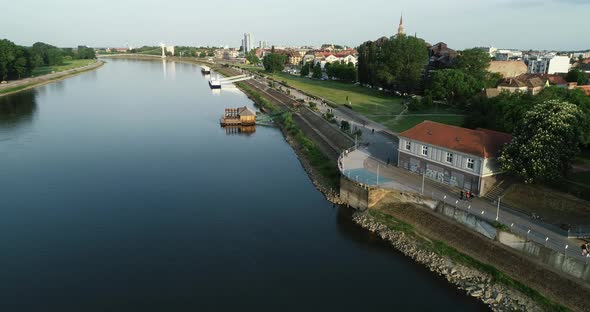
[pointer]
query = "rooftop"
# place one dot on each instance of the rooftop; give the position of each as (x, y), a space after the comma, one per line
(479, 142)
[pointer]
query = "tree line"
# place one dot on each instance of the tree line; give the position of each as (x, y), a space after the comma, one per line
(18, 62)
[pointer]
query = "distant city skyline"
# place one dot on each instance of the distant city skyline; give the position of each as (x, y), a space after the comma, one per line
(517, 24)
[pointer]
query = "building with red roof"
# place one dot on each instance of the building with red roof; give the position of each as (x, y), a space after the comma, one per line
(459, 157)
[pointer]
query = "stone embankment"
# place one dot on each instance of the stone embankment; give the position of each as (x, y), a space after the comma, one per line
(475, 283)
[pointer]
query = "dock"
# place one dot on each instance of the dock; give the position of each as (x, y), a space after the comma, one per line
(241, 116)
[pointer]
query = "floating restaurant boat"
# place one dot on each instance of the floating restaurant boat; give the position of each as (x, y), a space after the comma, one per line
(205, 69)
(241, 116)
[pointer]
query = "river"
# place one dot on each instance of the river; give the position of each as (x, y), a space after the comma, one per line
(120, 192)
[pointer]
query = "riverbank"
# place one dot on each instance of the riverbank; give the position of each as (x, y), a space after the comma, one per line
(474, 282)
(473, 277)
(29, 83)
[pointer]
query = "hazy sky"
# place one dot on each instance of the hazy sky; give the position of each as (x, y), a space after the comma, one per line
(524, 24)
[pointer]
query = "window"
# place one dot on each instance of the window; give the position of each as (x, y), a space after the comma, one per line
(450, 158)
(408, 145)
(425, 150)
(470, 163)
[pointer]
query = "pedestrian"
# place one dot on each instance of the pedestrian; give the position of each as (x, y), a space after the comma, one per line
(388, 161)
(373, 131)
(468, 195)
(584, 249)
(461, 195)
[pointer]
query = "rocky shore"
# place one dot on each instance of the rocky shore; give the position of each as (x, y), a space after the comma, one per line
(475, 283)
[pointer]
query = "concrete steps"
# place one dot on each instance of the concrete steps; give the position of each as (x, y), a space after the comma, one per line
(498, 190)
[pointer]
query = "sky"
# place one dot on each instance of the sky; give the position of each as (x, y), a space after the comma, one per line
(518, 24)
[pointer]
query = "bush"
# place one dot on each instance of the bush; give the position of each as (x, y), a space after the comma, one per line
(345, 125)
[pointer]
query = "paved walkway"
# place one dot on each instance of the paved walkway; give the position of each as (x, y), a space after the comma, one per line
(359, 165)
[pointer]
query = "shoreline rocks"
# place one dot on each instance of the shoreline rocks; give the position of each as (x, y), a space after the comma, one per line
(476, 284)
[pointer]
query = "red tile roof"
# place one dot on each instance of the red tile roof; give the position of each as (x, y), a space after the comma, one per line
(480, 142)
(585, 89)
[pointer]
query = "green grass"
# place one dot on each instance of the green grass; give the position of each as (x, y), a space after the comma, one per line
(322, 164)
(372, 103)
(9, 90)
(363, 100)
(66, 66)
(456, 256)
(582, 160)
(554, 206)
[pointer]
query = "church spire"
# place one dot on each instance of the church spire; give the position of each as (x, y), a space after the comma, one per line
(400, 29)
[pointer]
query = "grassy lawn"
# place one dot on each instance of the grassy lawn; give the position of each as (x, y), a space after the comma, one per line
(363, 100)
(67, 65)
(372, 103)
(555, 207)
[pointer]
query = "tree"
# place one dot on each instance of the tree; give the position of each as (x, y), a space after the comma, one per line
(393, 63)
(545, 142)
(317, 71)
(454, 86)
(55, 57)
(305, 70)
(578, 76)
(274, 62)
(474, 62)
(252, 57)
(15, 61)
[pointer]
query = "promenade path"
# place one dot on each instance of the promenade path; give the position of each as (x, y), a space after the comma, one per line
(360, 166)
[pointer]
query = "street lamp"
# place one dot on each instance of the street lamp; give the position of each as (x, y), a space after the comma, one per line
(546, 240)
(498, 210)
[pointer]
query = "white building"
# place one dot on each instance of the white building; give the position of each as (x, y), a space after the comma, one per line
(549, 65)
(247, 43)
(559, 65)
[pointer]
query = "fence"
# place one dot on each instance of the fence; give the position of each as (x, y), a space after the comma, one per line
(475, 213)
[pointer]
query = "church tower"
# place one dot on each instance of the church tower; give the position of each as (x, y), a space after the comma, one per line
(400, 29)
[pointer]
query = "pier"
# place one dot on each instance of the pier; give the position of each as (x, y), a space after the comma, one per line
(216, 83)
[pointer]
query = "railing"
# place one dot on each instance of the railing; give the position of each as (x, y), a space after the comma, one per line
(502, 218)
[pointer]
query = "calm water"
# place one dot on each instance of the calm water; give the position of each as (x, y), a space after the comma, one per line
(120, 192)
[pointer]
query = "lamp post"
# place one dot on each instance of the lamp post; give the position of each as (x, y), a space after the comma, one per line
(422, 183)
(377, 174)
(527, 234)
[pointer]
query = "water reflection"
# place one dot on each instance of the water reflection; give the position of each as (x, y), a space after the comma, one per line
(240, 130)
(17, 110)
